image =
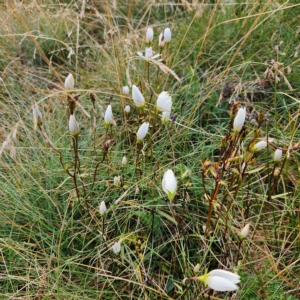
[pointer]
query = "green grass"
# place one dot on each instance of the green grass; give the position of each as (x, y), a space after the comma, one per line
(54, 244)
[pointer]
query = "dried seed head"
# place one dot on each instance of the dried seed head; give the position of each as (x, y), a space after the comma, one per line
(37, 117)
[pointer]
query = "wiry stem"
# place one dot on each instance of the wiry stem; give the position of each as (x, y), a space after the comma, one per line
(96, 168)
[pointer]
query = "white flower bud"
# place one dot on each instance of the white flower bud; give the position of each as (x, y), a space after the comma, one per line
(127, 109)
(108, 117)
(220, 284)
(125, 89)
(117, 180)
(239, 119)
(73, 126)
(244, 232)
(143, 130)
(164, 102)
(137, 97)
(221, 280)
(167, 35)
(259, 146)
(102, 208)
(149, 35)
(169, 184)
(116, 248)
(124, 161)
(277, 155)
(69, 82)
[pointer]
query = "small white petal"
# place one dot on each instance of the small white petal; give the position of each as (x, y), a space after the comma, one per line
(235, 278)
(148, 53)
(156, 56)
(124, 160)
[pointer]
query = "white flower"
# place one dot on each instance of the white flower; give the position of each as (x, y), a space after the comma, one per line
(169, 184)
(117, 180)
(102, 208)
(148, 54)
(37, 116)
(124, 161)
(108, 117)
(239, 119)
(259, 146)
(137, 97)
(142, 131)
(165, 117)
(221, 280)
(69, 82)
(167, 35)
(127, 109)
(116, 247)
(73, 126)
(125, 89)
(149, 35)
(164, 102)
(277, 155)
(244, 232)
(161, 40)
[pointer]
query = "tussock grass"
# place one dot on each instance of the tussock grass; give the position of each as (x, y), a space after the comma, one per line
(54, 244)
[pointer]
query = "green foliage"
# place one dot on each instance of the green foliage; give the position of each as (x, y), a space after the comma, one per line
(54, 244)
